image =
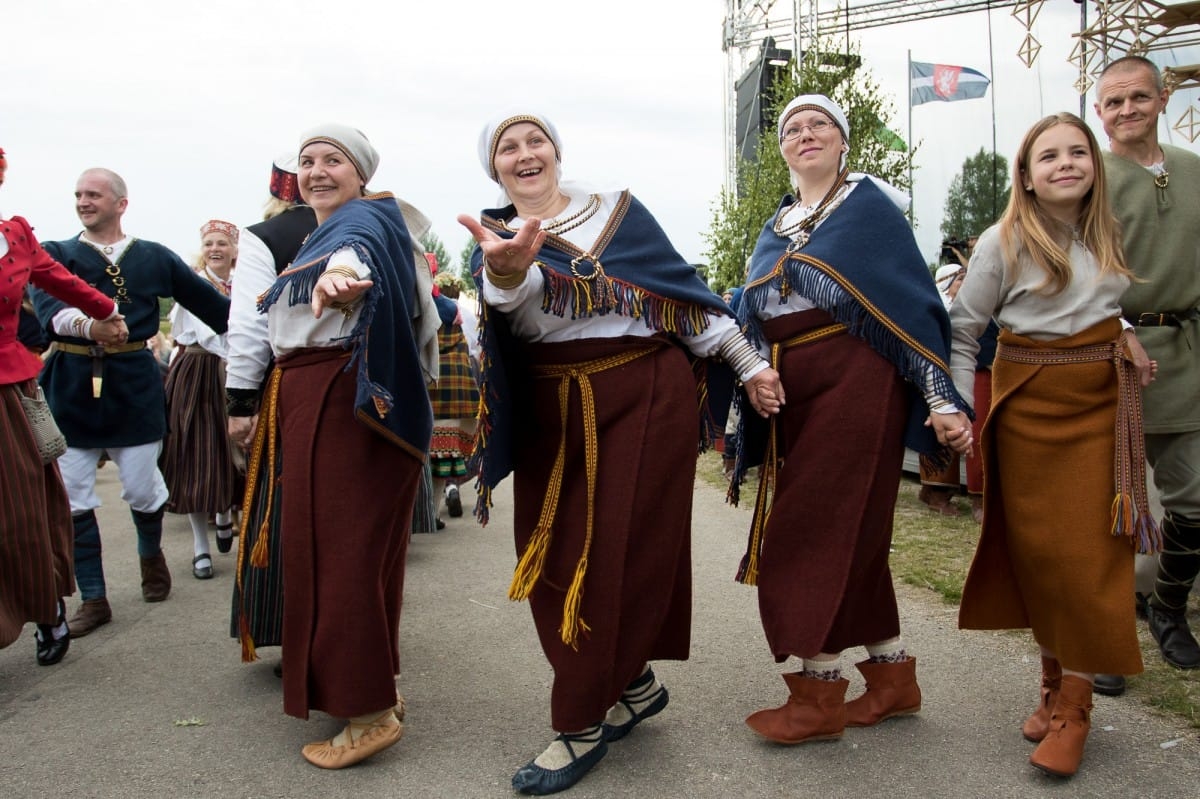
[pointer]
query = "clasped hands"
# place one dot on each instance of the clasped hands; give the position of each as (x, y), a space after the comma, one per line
(110, 331)
(952, 430)
(765, 391)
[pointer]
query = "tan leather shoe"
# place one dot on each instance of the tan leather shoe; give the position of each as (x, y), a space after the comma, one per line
(892, 690)
(91, 614)
(378, 735)
(1035, 727)
(815, 711)
(1061, 751)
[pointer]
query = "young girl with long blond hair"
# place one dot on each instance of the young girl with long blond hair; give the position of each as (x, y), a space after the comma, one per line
(1064, 497)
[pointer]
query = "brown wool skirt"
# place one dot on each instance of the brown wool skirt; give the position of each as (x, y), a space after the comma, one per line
(36, 536)
(638, 590)
(1046, 559)
(824, 584)
(198, 459)
(345, 515)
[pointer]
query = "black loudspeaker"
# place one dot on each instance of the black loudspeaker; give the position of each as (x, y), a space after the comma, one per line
(753, 93)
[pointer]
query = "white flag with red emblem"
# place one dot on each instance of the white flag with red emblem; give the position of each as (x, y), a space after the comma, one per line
(945, 82)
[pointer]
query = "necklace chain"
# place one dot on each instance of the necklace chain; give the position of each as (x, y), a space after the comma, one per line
(801, 230)
(559, 226)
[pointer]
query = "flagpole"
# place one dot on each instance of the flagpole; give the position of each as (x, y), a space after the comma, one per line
(912, 195)
(992, 69)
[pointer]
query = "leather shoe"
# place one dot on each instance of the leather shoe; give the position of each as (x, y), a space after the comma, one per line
(453, 502)
(204, 572)
(50, 650)
(537, 781)
(91, 614)
(1109, 684)
(224, 539)
(1175, 640)
(156, 578)
(376, 736)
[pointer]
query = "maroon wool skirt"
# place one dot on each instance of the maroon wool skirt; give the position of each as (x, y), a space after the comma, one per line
(345, 515)
(824, 584)
(638, 590)
(36, 536)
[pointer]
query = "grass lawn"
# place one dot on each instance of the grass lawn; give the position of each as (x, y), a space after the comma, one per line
(934, 552)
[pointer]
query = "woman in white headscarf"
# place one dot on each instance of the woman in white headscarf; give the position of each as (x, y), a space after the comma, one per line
(590, 318)
(347, 411)
(839, 293)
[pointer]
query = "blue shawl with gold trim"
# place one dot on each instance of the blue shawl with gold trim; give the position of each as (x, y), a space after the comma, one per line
(640, 276)
(863, 267)
(391, 397)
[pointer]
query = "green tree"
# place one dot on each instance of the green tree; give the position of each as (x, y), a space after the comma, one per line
(431, 243)
(464, 262)
(977, 196)
(739, 216)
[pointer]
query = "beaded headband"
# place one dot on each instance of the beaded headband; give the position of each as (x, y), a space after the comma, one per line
(218, 226)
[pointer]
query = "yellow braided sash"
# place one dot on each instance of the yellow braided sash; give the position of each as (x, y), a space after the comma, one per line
(769, 471)
(533, 559)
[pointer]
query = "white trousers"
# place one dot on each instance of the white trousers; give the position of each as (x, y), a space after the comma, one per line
(142, 484)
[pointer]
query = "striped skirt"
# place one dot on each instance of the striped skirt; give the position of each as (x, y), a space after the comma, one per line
(198, 459)
(36, 537)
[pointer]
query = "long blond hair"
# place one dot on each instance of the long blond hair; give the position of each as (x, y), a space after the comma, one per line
(1025, 224)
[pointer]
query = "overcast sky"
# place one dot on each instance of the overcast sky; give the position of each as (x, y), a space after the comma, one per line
(191, 102)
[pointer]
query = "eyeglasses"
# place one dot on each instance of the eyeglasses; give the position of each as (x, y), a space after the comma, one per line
(816, 126)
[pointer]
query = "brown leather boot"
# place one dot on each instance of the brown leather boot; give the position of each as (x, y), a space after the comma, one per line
(91, 614)
(1061, 751)
(892, 690)
(156, 578)
(1035, 727)
(815, 711)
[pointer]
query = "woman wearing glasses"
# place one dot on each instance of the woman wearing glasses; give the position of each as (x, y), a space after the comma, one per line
(840, 297)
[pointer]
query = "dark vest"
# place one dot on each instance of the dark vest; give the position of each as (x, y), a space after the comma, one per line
(283, 234)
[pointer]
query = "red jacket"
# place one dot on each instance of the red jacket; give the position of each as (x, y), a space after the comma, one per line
(26, 262)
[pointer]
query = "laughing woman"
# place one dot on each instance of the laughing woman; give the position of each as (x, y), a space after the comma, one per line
(1066, 375)
(590, 318)
(348, 414)
(198, 459)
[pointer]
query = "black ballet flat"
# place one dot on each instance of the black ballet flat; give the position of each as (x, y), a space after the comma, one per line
(51, 650)
(537, 781)
(202, 572)
(225, 542)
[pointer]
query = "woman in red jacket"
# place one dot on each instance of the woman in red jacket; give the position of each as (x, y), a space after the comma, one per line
(35, 520)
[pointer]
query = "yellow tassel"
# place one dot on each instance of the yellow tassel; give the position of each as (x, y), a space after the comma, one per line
(529, 567)
(258, 556)
(249, 655)
(572, 623)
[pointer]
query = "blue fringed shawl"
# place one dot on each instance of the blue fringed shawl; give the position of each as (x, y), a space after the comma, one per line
(862, 266)
(643, 277)
(382, 342)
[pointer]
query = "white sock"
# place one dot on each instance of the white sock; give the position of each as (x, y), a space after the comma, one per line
(225, 519)
(558, 756)
(889, 651)
(829, 670)
(199, 522)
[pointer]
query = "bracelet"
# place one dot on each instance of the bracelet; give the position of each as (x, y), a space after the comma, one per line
(738, 353)
(505, 281)
(344, 271)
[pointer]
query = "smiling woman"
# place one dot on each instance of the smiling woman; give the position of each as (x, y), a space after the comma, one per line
(349, 406)
(591, 324)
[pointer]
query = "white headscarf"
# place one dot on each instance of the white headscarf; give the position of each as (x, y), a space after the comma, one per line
(945, 276)
(819, 102)
(351, 141)
(489, 139)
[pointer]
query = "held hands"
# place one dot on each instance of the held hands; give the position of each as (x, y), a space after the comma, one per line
(765, 391)
(953, 430)
(1147, 369)
(241, 430)
(336, 290)
(111, 330)
(507, 256)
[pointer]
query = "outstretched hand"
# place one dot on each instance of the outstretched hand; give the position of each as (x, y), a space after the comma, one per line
(336, 291)
(507, 256)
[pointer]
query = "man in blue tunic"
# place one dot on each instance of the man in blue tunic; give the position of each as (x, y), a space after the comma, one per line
(109, 399)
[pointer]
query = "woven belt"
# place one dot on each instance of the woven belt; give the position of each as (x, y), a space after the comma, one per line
(1130, 507)
(98, 350)
(1165, 318)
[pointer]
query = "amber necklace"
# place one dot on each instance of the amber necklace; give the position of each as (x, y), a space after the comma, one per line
(560, 226)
